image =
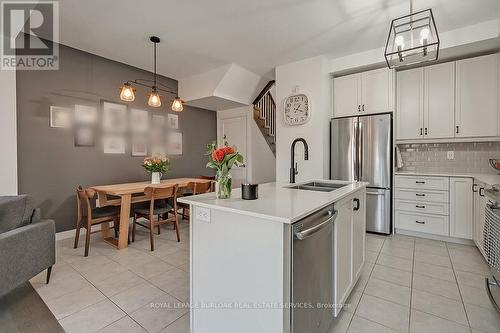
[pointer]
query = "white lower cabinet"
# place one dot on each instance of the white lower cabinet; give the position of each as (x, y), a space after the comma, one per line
(461, 207)
(349, 247)
(441, 206)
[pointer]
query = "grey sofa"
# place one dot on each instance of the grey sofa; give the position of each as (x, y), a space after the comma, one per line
(27, 243)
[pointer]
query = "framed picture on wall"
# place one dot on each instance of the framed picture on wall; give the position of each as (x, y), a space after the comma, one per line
(84, 136)
(114, 117)
(139, 145)
(174, 143)
(157, 121)
(85, 115)
(113, 144)
(60, 117)
(173, 121)
(139, 120)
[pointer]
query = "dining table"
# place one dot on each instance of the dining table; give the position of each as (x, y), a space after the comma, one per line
(124, 195)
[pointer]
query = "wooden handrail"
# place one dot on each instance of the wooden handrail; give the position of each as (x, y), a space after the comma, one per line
(264, 91)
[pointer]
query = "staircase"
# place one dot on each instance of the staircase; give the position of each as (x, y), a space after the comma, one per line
(264, 115)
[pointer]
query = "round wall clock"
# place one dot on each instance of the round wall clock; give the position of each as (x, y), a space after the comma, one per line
(297, 109)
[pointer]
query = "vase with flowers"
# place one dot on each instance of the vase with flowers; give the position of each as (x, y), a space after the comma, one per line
(156, 166)
(222, 159)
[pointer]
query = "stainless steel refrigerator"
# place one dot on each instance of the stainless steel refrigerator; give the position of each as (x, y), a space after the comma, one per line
(361, 149)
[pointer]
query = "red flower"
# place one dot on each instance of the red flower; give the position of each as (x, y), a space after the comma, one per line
(218, 155)
(228, 150)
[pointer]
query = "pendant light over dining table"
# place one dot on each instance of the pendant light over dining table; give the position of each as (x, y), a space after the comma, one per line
(127, 90)
(412, 39)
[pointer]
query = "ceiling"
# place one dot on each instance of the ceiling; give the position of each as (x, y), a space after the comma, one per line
(257, 34)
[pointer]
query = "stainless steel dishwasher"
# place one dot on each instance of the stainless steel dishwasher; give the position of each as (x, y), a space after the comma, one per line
(312, 272)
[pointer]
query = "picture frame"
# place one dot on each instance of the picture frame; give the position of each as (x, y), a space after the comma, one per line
(84, 136)
(139, 120)
(173, 121)
(60, 117)
(113, 144)
(139, 146)
(114, 117)
(85, 115)
(174, 143)
(157, 121)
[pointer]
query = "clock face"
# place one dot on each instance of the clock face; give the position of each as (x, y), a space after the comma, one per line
(297, 109)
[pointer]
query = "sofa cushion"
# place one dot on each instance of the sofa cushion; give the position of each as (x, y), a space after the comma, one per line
(15, 211)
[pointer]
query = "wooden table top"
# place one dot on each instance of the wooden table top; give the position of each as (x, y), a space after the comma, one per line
(133, 188)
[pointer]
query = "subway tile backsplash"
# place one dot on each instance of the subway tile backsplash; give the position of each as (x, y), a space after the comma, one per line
(470, 157)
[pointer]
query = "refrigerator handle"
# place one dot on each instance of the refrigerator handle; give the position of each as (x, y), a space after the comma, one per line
(355, 125)
(360, 151)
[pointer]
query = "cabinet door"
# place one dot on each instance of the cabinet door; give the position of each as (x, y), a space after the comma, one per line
(461, 207)
(409, 109)
(346, 95)
(439, 101)
(342, 261)
(358, 235)
(477, 97)
(377, 91)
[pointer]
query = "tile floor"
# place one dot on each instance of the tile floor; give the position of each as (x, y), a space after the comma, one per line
(420, 286)
(407, 285)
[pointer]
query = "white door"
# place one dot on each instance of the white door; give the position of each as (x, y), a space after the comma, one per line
(461, 207)
(439, 101)
(358, 235)
(235, 131)
(477, 97)
(409, 109)
(347, 95)
(376, 91)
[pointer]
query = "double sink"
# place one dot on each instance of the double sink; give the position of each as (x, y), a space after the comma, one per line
(318, 186)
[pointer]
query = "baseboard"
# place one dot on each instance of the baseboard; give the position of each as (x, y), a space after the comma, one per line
(435, 237)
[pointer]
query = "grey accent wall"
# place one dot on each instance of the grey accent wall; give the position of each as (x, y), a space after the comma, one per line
(50, 167)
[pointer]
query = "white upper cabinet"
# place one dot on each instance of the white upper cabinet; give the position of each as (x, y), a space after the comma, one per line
(409, 104)
(364, 93)
(377, 91)
(477, 97)
(347, 93)
(439, 101)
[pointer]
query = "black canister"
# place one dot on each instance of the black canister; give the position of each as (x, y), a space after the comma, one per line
(249, 191)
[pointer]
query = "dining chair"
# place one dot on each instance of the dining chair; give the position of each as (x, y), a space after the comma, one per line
(89, 215)
(159, 207)
(196, 188)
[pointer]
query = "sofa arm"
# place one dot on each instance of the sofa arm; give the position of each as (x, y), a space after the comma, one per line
(25, 252)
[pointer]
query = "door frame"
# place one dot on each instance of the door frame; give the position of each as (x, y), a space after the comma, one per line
(241, 112)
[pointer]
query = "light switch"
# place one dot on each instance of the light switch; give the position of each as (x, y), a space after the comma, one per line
(202, 214)
(450, 155)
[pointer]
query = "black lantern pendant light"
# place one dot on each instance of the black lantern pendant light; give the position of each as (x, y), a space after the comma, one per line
(412, 39)
(127, 92)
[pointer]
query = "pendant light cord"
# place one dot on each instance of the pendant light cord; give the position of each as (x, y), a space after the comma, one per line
(154, 64)
(411, 6)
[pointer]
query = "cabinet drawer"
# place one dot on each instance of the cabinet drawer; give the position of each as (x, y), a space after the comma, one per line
(421, 195)
(423, 207)
(431, 224)
(425, 183)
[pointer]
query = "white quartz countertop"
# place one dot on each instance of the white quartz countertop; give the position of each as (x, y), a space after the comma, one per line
(276, 202)
(482, 177)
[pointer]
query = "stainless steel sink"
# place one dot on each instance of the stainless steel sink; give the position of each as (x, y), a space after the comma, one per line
(317, 186)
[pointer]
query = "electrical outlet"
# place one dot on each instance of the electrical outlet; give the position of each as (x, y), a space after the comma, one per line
(450, 155)
(202, 214)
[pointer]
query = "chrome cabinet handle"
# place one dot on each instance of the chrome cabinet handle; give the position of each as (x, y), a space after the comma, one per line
(490, 296)
(420, 194)
(359, 108)
(419, 206)
(474, 188)
(419, 182)
(356, 200)
(420, 222)
(363, 108)
(308, 232)
(481, 191)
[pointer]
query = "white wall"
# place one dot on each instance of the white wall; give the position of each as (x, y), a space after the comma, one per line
(312, 78)
(8, 133)
(260, 161)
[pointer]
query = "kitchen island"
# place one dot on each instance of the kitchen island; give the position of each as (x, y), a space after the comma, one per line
(281, 263)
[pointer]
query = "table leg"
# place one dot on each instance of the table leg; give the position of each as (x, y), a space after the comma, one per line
(124, 221)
